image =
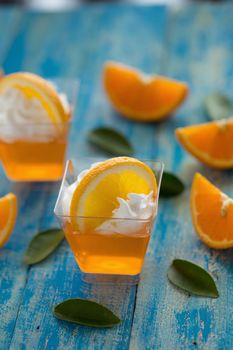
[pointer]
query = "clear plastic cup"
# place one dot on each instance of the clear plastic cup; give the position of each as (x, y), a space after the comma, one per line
(106, 256)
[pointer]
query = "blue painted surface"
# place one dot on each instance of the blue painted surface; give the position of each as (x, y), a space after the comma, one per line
(192, 44)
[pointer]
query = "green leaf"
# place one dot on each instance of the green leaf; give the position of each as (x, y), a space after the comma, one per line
(111, 141)
(192, 278)
(42, 245)
(85, 312)
(218, 106)
(171, 185)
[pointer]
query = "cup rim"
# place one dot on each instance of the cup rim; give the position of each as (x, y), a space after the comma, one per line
(107, 218)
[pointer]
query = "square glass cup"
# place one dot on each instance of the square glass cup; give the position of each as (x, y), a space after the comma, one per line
(24, 158)
(105, 257)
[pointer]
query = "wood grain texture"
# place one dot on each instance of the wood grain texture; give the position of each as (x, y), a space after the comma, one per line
(13, 274)
(10, 19)
(191, 43)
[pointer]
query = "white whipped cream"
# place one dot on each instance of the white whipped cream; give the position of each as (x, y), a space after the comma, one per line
(137, 206)
(16, 111)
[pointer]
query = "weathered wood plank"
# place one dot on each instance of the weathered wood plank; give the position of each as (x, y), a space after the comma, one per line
(10, 19)
(77, 44)
(199, 51)
(12, 273)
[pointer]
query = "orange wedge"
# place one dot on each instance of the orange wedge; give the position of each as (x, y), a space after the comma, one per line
(212, 213)
(33, 86)
(141, 97)
(8, 213)
(96, 194)
(211, 143)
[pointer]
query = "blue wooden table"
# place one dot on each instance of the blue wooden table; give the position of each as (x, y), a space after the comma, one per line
(194, 44)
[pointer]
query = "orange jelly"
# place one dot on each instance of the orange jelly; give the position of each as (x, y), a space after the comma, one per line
(109, 253)
(34, 161)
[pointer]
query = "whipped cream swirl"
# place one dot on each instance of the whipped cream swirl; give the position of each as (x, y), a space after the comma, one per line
(137, 207)
(26, 119)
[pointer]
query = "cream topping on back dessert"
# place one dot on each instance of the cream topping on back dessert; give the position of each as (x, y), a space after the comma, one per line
(26, 119)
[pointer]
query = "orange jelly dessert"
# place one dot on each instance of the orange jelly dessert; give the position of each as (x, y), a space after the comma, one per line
(34, 126)
(108, 214)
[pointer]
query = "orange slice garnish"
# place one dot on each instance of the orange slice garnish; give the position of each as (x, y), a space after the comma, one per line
(140, 97)
(211, 143)
(8, 213)
(212, 213)
(33, 86)
(96, 194)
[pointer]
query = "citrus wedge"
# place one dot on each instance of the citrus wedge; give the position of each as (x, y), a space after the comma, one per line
(96, 194)
(33, 86)
(8, 213)
(211, 143)
(140, 97)
(212, 213)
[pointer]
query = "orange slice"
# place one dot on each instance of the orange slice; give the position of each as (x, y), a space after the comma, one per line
(211, 143)
(141, 97)
(8, 213)
(96, 194)
(33, 86)
(212, 213)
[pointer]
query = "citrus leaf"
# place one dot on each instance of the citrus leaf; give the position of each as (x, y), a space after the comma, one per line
(218, 106)
(192, 278)
(42, 245)
(111, 141)
(85, 312)
(171, 185)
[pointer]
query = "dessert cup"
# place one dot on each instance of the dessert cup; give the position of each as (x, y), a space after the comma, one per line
(106, 257)
(36, 152)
